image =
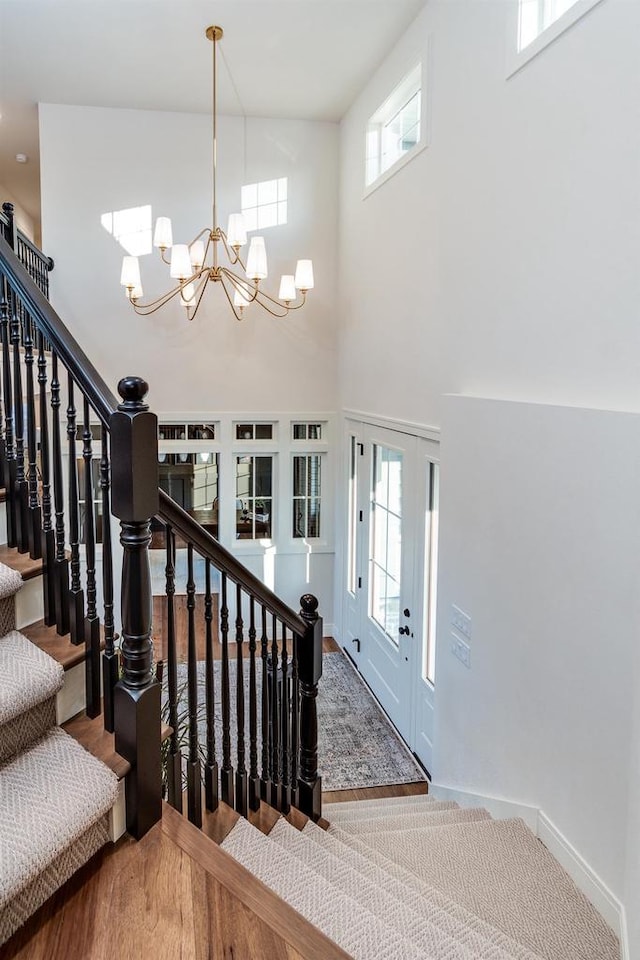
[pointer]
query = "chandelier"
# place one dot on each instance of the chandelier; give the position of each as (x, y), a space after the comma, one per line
(194, 265)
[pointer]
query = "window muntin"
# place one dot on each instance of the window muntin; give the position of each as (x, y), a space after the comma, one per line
(386, 539)
(307, 494)
(254, 497)
(395, 129)
(264, 204)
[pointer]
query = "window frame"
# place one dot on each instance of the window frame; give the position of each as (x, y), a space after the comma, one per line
(516, 58)
(399, 97)
(307, 498)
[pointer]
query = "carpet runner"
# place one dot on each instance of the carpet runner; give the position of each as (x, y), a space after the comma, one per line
(414, 877)
(55, 797)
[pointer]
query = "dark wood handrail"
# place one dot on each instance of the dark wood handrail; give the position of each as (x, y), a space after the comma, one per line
(100, 397)
(191, 531)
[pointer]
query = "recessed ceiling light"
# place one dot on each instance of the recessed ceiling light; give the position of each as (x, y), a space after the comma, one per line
(21, 157)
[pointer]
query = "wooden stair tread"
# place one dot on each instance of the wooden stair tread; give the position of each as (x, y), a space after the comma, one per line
(297, 932)
(58, 647)
(21, 562)
(91, 734)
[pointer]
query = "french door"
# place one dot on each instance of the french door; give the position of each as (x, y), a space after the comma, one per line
(389, 608)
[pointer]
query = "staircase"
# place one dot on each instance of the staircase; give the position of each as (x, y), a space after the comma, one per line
(417, 878)
(55, 797)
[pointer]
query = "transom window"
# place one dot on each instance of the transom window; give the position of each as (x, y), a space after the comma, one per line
(264, 204)
(307, 431)
(395, 129)
(254, 431)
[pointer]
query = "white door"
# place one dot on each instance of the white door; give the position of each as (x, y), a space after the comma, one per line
(390, 591)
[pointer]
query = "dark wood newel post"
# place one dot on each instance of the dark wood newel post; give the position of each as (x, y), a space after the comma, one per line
(309, 673)
(134, 465)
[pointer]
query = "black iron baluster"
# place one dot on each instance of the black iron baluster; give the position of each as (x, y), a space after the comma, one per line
(276, 783)
(174, 760)
(254, 779)
(226, 774)
(9, 435)
(61, 561)
(48, 536)
(265, 780)
(295, 722)
(4, 473)
(194, 788)
(34, 535)
(76, 593)
(211, 766)
(21, 491)
(284, 717)
(110, 657)
(92, 622)
(241, 769)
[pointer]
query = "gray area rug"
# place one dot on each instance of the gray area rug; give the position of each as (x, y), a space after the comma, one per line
(357, 746)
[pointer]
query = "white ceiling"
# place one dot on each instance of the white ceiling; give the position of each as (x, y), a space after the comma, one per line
(281, 58)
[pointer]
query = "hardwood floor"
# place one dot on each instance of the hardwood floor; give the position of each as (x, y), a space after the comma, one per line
(163, 897)
(373, 793)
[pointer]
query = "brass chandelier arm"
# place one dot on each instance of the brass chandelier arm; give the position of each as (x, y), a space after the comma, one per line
(248, 289)
(260, 297)
(231, 253)
(145, 309)
(199, 294)
(237, 315)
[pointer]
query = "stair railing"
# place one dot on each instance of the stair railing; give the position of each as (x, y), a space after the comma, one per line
(266, 703)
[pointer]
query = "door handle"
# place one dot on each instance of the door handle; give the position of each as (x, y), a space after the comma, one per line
(404, 630)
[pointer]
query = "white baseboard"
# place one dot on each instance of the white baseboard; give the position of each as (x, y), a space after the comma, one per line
(585, 878)
(498, 808)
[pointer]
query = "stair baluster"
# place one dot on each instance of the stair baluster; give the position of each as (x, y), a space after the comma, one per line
(48, 535)
(9, 477)
(274, 765)
(76, 593)
(254, 780)
(34, 519)
(241, 769)
(92, 622)
(265, 780)
(211, 766)
(110, 657)
(61, 562)
(226, 774)
(295, 722)
(194, 789)
(174, 759)
(286, 720)
(20, 487)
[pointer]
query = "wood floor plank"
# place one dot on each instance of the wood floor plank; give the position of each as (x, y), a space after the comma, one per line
(375, 793)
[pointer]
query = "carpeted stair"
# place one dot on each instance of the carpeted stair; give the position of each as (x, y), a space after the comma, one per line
(55, 797)
(415, 877)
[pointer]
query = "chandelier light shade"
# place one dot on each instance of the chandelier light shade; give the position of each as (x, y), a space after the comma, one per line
(213, 256)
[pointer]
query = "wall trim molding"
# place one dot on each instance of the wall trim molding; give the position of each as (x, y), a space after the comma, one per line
(499, 808)
(392, 423)
(583, 875)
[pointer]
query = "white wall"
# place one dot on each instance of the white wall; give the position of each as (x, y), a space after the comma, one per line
(502, 262)
(503, 259)
(99, 160)
(540, 527)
